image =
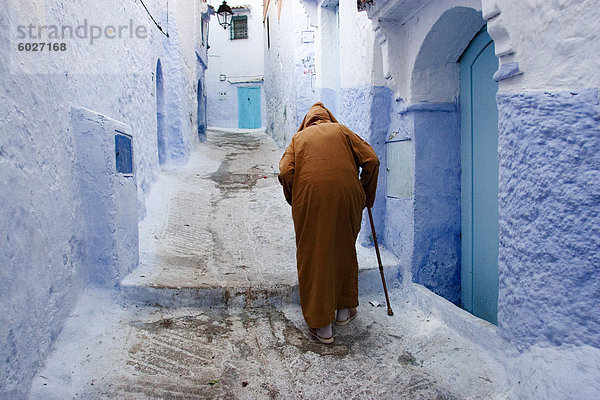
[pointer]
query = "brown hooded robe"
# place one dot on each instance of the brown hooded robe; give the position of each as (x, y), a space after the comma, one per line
(319, 174)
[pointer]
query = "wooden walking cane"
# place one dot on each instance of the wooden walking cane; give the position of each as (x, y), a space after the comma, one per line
(387, 299)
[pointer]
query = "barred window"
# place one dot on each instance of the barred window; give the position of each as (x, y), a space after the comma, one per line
(239, 27)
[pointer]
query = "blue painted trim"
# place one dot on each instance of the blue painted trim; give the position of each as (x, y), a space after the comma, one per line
(251, 82)
(424, 107)
(201, 61)
(506, 71)
(398, 140)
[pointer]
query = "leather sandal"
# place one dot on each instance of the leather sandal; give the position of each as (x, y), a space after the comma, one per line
(313, 331)
(351, 315)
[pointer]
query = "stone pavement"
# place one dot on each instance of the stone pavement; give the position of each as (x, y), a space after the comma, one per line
(212, 310)
(219, 230)
(111, 351)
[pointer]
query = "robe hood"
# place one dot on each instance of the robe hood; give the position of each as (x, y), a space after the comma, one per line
(317, 113)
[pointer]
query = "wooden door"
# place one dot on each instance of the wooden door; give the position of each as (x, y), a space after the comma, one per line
(249, 107)
(479, 181)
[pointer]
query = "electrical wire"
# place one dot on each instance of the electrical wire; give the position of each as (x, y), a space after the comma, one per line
(156, 23)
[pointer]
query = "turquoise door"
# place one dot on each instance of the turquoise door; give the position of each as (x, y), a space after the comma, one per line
(479, 181)
(249, 107)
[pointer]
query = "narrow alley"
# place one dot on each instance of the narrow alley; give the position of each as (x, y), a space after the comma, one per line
(148, 250)
(211, 311)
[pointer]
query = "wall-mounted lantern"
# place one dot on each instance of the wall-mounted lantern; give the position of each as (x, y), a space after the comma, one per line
(224, 14)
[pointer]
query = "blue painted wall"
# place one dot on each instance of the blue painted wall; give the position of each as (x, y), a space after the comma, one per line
(329, 98)
(45, 242)
(436, 259)
(161, 139)
(399, 213)
(366, 111)
(424, 231)
(306, 93)
(549, 203)
(222, 112)
(354, 108)
(201, 111)
(380, 110)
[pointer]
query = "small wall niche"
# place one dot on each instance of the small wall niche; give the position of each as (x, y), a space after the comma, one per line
(400, 169)
(123, 153)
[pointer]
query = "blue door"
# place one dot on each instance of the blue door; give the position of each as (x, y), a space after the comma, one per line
(249, 107)
(479, 180)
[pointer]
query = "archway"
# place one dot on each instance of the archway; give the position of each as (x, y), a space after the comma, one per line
(201, 114)
(439, 161)
(161, 138)
(435, 75)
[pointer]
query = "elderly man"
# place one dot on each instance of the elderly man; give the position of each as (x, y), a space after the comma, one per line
(319, 172)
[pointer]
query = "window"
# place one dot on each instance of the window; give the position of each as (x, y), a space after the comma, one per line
(239, 27)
